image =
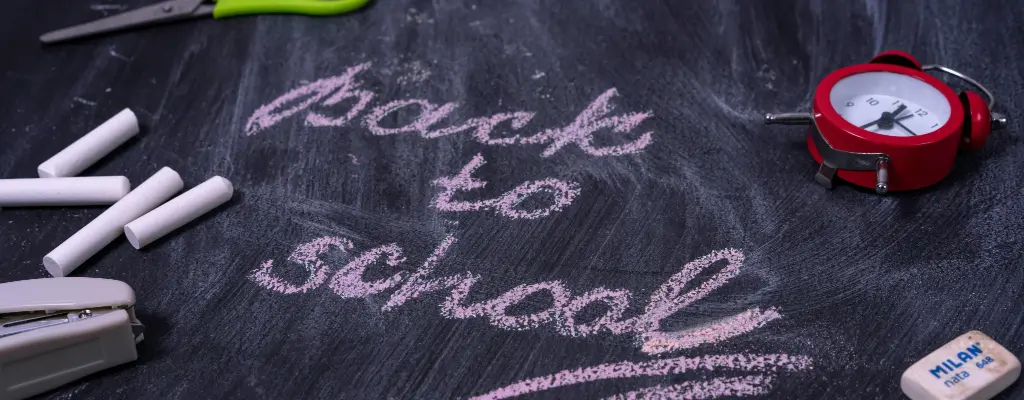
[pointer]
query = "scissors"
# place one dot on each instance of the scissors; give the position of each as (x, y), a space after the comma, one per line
(177, 10)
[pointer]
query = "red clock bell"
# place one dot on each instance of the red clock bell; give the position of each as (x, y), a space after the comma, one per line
(889, 125)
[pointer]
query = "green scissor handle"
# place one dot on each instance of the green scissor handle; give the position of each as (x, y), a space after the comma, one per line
(233, 8)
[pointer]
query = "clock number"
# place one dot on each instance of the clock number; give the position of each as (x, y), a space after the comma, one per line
(921, 112)
(849, 104)
(872, 101)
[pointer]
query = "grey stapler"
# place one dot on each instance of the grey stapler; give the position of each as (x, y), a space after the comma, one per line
(54, 331)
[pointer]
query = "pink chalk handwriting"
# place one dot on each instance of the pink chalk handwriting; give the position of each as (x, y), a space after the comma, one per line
(329, 93)
(661, 342)
(560, 315)
(507, 204)
(665, 301)
(348, 281)
(429, 114)
(274, 112)
(483, 126)
(672, 366)
(591, 120)
(308, 256)
(712, 388)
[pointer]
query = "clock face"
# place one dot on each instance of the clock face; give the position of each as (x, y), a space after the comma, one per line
(890, 104)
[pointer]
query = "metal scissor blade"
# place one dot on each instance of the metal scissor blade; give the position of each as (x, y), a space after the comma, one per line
(168, 11)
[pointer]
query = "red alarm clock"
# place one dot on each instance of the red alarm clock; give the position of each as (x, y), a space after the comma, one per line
(890, 126)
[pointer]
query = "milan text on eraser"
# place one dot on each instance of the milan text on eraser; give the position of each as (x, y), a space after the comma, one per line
(970, 367)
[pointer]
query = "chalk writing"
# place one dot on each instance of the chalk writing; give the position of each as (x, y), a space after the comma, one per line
(592, 119)
(429, 115)
(507, 204)
(306, 255)
(740, 386)
(560, 315)
(483, 126)
(348, 282)
(329, 92)
(672, 366)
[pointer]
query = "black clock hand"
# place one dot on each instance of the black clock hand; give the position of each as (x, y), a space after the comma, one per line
(904, 126)
(865, 126)
(898, 110)
(886, 116)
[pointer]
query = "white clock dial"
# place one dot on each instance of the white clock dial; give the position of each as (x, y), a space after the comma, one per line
(890, 104)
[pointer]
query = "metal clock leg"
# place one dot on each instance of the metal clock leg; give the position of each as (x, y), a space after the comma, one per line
(825, 176)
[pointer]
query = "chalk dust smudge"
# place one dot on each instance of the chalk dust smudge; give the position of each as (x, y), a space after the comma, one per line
(115, 54)
(416, 72)
(412, 15)
(84, 101)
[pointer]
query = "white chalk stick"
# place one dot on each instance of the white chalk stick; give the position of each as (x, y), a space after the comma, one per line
(179, 211)
(108, 226)
(93, 146)
(76, 191)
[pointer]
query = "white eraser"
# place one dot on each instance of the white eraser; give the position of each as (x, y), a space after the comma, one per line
(179, 211)
(107, 226)
(76, 191)
(971, 367)
(93, 146)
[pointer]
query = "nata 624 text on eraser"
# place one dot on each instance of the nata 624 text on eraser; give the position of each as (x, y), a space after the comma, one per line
(74, 191)
(970, 367)
(179, 211)
(108, 226)
(93, 146)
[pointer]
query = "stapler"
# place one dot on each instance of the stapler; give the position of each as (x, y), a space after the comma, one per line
(54, 331)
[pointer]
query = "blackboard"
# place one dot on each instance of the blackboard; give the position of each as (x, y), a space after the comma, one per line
(628, 173)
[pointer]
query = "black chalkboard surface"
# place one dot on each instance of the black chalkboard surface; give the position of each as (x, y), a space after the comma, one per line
(569, 199)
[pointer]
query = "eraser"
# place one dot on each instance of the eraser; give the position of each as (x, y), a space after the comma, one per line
(970, 367)
(179, 211)
(108, 226)
(76, 191)
(93, 146)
